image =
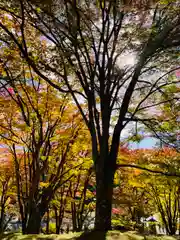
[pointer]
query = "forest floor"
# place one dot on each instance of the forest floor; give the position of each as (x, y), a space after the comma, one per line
(111, 235)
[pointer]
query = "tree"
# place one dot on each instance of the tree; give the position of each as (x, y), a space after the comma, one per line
(165, 125)
(40, 129)
(88, 42)
(164, 191)
(159, 190)
(82, 198)
(59, 205)
(73, 197)
(7, 190)
(166, 198)
(130, 193)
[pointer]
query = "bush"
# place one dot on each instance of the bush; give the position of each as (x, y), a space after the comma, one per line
(121, 225)
(52, 228)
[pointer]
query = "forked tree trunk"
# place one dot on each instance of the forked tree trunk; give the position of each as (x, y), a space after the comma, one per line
(33, 221)
(31, 225)
(104, 192)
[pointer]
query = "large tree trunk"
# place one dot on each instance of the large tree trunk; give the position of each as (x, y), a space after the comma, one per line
(34, 224)
(32, 216)
(104, 192)
(172, 227)
(35, 215)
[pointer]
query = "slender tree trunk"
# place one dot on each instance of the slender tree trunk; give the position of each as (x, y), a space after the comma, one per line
(23, 225)
(47, 222)
(57, 220)
(80, 222)
(2, 218)
(104, 192)
(74, 218)
(172, 227)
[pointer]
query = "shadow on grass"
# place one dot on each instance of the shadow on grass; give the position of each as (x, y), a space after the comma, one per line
(7, 236)
(12, 236)
(93, 235)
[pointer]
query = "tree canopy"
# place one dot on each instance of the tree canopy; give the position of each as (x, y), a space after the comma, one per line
(115, 59)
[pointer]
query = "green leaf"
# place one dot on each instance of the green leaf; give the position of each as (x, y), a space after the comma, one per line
(166, 126)
(38, 10)
(43, 158)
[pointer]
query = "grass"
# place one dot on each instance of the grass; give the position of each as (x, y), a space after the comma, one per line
(111, 235)
(19, 236)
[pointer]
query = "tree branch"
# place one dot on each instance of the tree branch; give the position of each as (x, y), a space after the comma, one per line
(149, 170)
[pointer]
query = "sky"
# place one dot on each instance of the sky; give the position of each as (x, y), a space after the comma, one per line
(147, 142)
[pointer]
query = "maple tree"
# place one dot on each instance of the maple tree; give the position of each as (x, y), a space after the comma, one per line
(7, 190)
(59, 204)
(145, 193)
(166, 197)
(40, 128)
(71, 200)
(85, 57)
(129, 194)
(83, 196)
(45, 136)
(163, 190)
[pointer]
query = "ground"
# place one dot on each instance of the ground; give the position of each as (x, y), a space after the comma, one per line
(112, 235)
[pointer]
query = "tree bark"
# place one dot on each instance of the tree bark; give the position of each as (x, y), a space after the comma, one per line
(73, 212)
(34, 222)
(57, 220)
(47, 222)
(59, 214)
(2, 218)
(104, 192)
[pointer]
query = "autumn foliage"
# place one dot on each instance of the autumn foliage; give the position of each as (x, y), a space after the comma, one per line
(67, 94)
